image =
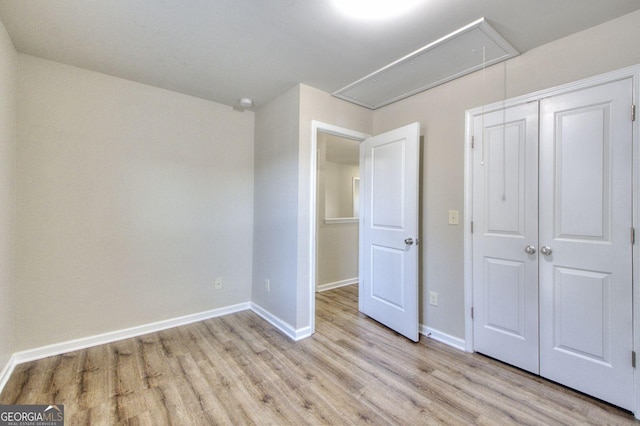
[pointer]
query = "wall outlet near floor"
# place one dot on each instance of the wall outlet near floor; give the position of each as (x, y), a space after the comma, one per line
(433, 298)
(217, 284)
(267, 285)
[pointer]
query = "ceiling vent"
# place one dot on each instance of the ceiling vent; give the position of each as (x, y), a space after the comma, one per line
(464, 51)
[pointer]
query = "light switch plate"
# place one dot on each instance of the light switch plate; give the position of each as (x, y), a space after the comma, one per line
(453, 217)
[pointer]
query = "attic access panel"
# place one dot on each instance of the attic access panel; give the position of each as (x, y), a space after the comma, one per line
(462, 52)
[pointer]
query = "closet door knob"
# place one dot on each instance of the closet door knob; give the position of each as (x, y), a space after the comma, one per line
(530, 249)
(408, 241)
(546, 250)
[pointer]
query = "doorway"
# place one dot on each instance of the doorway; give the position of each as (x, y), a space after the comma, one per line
(338, 138)
(388, 225)
(337, 201)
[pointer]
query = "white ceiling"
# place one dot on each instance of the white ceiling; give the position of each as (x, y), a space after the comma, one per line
(223, 50)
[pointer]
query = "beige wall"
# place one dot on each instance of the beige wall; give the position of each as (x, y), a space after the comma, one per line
(131, 201)
(338, 179)
(276, 201)
(441, 112)
(8, 73)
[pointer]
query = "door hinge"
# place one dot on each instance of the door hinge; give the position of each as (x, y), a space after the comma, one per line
(633, 112)
(473, 140)
(633, 236)
(472, 227)
(472, 312)
(633, 359)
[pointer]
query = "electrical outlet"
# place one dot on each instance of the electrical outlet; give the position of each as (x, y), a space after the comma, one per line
(433, 298)
(217, 283)
(453, 217)
(267, 285)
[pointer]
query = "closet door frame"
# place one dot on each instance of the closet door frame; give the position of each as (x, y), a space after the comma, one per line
(632, 72)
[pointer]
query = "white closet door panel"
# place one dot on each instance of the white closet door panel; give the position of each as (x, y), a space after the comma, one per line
(505, 209)
(585, 222)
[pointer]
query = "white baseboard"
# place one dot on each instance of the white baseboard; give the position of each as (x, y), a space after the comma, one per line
(336, 284)
(7, 371)
(439, 336)
(100, 339)
(284, 327)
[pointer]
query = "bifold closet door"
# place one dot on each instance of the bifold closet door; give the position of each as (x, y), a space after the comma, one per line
(505, 234)
(585, 253)
(552, 239)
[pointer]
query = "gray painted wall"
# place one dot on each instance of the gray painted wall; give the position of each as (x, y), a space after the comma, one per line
(276, 200)
(131, 201)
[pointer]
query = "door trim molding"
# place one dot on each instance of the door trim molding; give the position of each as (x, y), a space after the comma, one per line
(319, 126)
(632, 72)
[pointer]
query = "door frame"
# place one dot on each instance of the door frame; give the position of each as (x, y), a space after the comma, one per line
(632, 72)
(318, 126)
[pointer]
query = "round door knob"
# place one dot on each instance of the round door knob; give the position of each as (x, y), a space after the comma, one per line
(408, 241)
(546, 250)
(530, 249)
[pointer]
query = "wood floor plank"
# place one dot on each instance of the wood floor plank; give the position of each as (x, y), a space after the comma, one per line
(239, 370)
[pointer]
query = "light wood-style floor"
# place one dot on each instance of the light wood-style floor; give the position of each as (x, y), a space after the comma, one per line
(239, 370)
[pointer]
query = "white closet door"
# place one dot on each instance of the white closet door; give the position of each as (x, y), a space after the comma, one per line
(586, 249)
(505, 217)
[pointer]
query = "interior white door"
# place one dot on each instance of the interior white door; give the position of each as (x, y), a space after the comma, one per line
(389, 229)
(505, 235)
(586, 248)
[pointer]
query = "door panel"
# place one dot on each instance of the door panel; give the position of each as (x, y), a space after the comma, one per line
(505, 176)
(505, 304)
(582, 144)
(585, 221)
(387, 180)
(505, 208)
(389, 216)
(581, 308)
(387, 266)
